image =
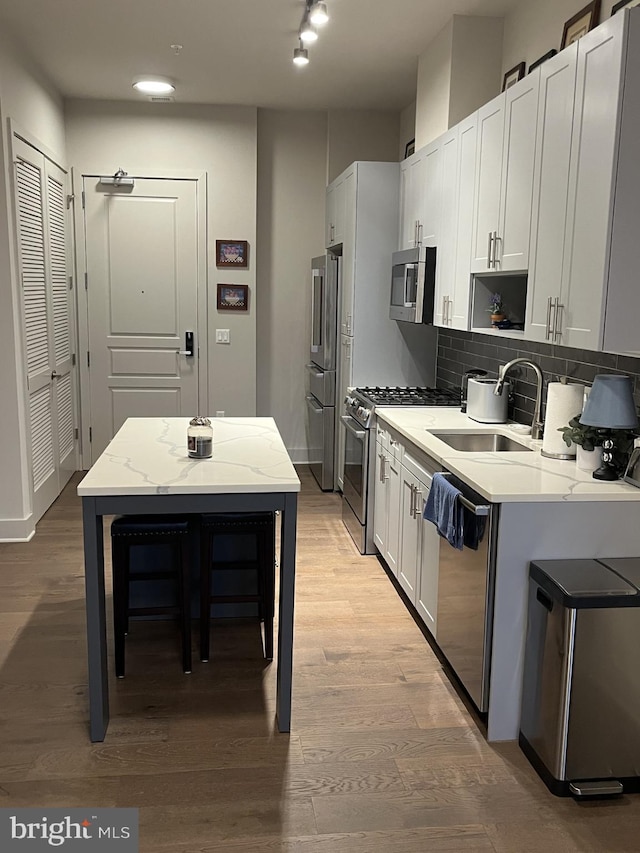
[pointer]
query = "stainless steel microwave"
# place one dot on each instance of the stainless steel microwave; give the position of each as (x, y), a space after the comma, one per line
(413, 284)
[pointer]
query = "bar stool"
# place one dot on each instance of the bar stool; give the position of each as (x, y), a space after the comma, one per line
(171, 531)
(260, 526)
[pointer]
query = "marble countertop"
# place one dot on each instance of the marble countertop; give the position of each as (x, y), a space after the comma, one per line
(501, 477)
(148, 456)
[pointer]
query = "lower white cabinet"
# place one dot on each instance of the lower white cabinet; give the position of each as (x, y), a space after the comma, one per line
(409, 545)
(420, 545)
(386, 518)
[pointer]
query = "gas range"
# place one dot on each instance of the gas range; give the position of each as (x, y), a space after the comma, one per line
(361, 403)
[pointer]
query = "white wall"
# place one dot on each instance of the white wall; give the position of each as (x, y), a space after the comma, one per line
(145, 138)
(292, 152)
(433, 87)
(360, 135)
(532, 29)
(36, 109)
(475, 64)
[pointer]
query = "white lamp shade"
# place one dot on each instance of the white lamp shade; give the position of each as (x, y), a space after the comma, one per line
(610, 404)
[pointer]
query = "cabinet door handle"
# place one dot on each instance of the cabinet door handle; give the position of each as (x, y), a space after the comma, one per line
(444, 310)
(419, 233)
(412, 505)
(489, 248)
(417, 502)
(547, 333)
(449, 304)
(494, 261)
(557, 321)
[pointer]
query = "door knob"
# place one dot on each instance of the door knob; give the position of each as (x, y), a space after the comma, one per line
(188, 345)
(55, 375)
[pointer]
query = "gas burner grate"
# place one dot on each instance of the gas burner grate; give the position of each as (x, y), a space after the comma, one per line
(410, 396)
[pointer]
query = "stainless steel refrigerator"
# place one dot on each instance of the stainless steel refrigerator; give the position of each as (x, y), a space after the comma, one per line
(321, 370)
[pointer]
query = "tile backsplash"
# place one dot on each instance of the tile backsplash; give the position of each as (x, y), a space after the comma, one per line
(462, 351)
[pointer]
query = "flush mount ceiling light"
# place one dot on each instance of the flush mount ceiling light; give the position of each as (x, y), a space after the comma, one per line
(152, 84)
(301, 55)
(318, 14)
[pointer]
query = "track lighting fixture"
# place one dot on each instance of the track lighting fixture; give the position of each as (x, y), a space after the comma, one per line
(301, 55)
(315, 14)
(318, 14)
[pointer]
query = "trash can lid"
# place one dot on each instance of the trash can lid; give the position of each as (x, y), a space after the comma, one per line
(580, 584)
(627, 567)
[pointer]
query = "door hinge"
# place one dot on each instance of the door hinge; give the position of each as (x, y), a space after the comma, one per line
(83, 199)
(75, 432)
(88, 359)
(73, 359)
(70, 199)
(90, 434)
(86, 281)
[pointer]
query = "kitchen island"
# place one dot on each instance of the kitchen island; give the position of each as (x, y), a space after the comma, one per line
(146, 470)
(547, 509)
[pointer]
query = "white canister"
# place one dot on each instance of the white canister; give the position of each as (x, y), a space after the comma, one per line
(200, 438)
(588, 460)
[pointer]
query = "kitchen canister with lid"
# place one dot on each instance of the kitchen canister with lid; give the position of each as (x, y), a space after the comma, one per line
(200, 438)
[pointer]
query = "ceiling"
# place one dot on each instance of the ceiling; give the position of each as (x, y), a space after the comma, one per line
(236, 51)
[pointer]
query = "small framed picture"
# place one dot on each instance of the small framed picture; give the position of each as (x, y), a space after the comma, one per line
(542, 59)
(583, 21)
(232, 253)
(630, 3)
(511, 77)
(409, 148)
(233, 297)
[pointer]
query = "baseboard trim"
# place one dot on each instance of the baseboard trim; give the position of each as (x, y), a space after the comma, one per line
(17, 529)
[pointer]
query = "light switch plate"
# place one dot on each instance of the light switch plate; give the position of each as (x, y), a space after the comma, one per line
(222, 336)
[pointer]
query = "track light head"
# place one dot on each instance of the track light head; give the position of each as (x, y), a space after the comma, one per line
(318, 14)
(301, 56)
(308, 33)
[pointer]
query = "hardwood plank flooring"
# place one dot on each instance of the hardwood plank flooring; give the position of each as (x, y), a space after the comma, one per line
(383, 756)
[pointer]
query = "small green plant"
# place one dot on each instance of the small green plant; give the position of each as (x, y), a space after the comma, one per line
(587, 437)
(495, 304)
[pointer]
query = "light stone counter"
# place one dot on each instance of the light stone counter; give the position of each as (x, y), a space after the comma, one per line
(148, 456)
(501, 477)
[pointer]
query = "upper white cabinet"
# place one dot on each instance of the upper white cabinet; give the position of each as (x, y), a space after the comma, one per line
(336, 212)
(420, 197)
(504, 179)
(585, 247)
(453, 276)
(550, 194)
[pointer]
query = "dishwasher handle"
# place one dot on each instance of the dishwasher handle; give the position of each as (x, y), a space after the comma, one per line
(476, 509)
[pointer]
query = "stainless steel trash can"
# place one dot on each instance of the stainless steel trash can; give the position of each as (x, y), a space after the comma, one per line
(580, 716)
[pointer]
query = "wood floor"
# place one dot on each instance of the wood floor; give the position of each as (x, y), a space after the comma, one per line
(383, 757)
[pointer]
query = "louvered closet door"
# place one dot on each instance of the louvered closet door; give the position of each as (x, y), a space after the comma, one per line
(40, 208)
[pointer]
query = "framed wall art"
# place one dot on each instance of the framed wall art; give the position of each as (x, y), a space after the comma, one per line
(232, 253)
(512, 76)
(583, 21)
(409, 148)
(233, 297)
(544, 58)
(621, 5)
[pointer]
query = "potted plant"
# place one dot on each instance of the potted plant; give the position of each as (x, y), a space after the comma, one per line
(589, 440)
(496, 308)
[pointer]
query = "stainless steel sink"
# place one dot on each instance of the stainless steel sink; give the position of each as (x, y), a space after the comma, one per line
(478, 442)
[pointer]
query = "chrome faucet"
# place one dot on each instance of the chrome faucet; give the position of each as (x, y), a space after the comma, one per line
(536, 423)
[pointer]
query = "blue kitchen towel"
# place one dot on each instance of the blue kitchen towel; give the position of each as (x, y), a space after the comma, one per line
(445, 510)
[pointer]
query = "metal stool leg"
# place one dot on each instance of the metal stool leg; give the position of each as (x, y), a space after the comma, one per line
(120, 551)
(185, 602)
(205, 593)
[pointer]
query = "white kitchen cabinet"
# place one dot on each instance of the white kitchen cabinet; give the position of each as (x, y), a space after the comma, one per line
(550, 195)
(420, 197)
(387, 522)
(420, 546)
(336, 208)
(453, 277)
(504, 178)
(344, 383)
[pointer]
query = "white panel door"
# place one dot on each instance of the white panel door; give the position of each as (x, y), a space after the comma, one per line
(593, 158)
(40, 199)
(488, 182)
(551, 185)
(467, 146)
(446, 264)
(409, 530)
(142, 276)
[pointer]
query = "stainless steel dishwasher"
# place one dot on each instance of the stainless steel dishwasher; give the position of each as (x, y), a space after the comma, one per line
(465, 598)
